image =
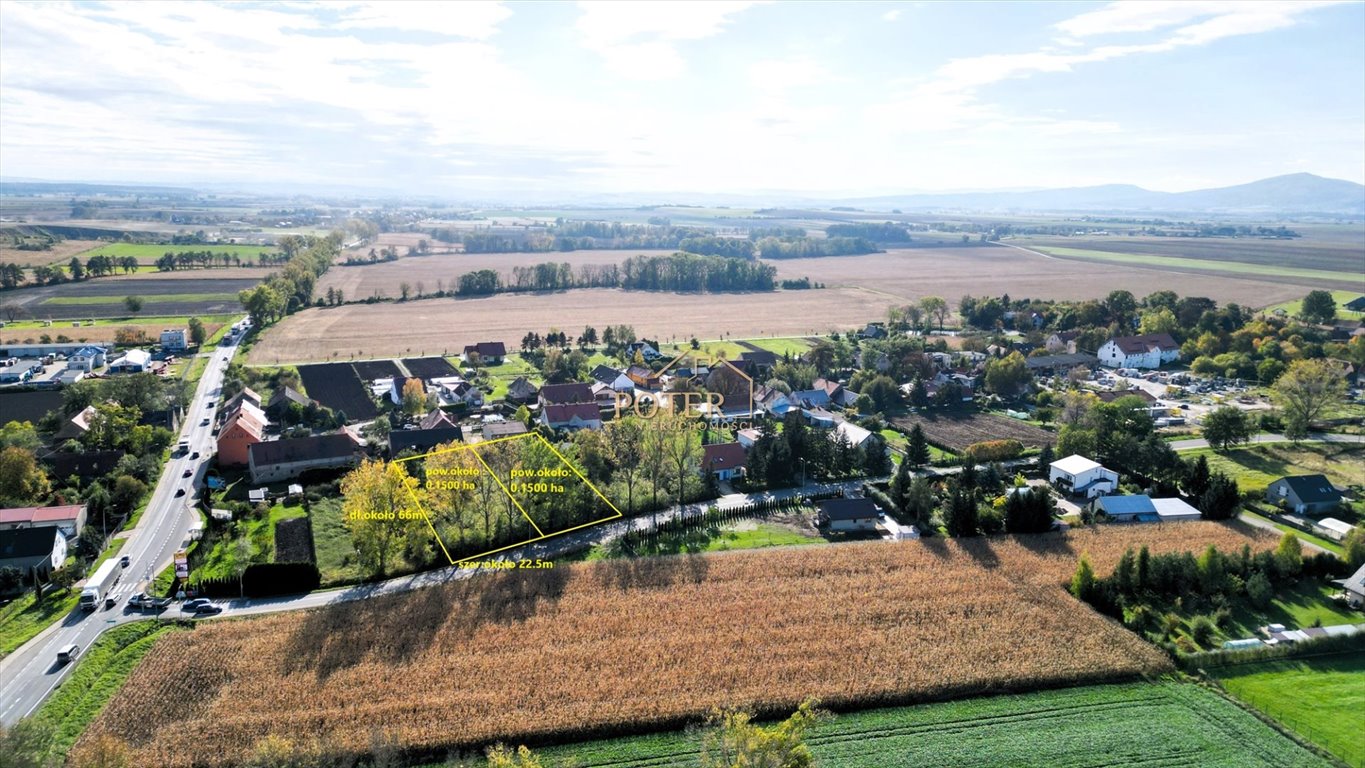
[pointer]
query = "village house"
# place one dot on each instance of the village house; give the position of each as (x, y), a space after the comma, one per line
(1078, 476)
(521, 391)
(571, 416)
(725, 461)
(1354, 587)
(74, 427)
(1304, 494)
(30, 550)
(453, 390)
(615, 379)
(175, 340)
(1062, 342)
(489, 352)
(436, 428)
(847, 515)
(1150, 351)
(647, 351)
(244, 427)
(493, 430)
(773, 401)
(642, 377)
(761, 360)
(68, 519)
(564, 394)
(281, 400)
(276, 460)
(82, 464)
(86, 359)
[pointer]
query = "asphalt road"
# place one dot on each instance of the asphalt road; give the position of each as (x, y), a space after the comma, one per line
(1268, 437)
(29, 674)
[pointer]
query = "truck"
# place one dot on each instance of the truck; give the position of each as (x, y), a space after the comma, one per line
(100, 582)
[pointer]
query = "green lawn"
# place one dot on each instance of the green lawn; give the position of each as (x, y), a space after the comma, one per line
(149, 320)
(148, 253)
(1330, 546)
(1147, 724)
(1293, 308)
(742, 535)
(152, 297)
(222, 558)
(100, 671)
(1234, 267)
(1321, 699)
(23, 618)
(506, 372)
(114, 546)
(1257, 466)
(332, 543)
(730, 350)
(794, 345)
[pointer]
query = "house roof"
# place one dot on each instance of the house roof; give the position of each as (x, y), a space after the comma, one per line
(1109, 396)
(1172, 509)
(1075, 464)
(847, 509)
(855, 434)
(134, 357)
(1054, 361)
(488, 349)
(522, 388)
(1332, 524)
(288, 394)
(1356, 305)
(246, 395)
(62, 464)
(313, 448)
(1355, 581)
(828, 385)
(422, 439)
(1136, 345)
(563, 413)
(761, 357)
(1126, 505)
(437, 418)
(40, 514)
(720, 456)
(27, 542)
(605, 374)
(494, 429)
(639, 371)
(559, 394)
(1312, 489)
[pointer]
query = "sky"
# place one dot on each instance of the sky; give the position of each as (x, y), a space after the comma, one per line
(722, 97)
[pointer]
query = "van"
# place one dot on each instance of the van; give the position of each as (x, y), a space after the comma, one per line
(68, 654)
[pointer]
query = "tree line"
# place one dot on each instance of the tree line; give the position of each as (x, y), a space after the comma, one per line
(291, 289)
(684, 272)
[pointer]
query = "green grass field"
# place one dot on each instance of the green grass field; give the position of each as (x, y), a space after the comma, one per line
(743, 535)
(148, 253)
(1321, 699)
(100, 672)
(1256, 466)
(161, 321)
(795, 345)
(155, 297)
(1147, 724)
(1293, 308)
(1231, 267)
(332, 543)
(23, 618)
(1330, 546)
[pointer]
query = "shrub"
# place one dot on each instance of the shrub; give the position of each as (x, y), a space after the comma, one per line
(1202, 630)
(993, 450)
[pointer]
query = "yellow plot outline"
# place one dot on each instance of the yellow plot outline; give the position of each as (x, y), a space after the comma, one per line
(475, 449)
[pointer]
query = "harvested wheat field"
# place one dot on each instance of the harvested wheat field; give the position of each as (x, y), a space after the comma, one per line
(444, 326)
(913, 273)
(59, 253)
(618, 646)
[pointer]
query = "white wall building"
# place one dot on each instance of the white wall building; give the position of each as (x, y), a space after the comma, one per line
(1150, 351)
(1078, 476)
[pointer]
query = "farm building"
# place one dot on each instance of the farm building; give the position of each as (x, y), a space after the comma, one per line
(86, 359)
(175, 340)
(1304, 494)
(724, 460)
(1125, 509)
(1333, 528)
(282, 399)
(41, 350)
(489, 352)
(642, 377)
(29, 549)
(847, 514)
(1174, 510)
(1149, 351)
(276, 460)
(69, 519)
(82, 464)
(1078, 476)
(1355, 305)
(1048, 365)
(132, 361)
(20, 370)
(424, 439)
(571, 416)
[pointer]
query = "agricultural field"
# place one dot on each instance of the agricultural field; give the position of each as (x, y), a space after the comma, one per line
(1293, 308)
(561, 653)
(426, 327)
(336, 386)
(909, 274)
(105, 329)
(1150, 724)
(1338, 252)
(1256, 466)
(148, 253)
(429, 367)
(103, 297)
(1319, 698)
(957, 431)
(59, 253)
(1279, 270)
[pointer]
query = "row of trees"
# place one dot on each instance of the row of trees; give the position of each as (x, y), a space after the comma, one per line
(800, 452)
(687, 272)
(206, 259)
(291, 289)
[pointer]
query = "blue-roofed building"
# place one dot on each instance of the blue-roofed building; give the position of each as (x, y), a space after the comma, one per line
(1126, 509)
(86, 359)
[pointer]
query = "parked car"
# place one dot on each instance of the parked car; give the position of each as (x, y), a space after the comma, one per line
(208, 610)
(195, 604)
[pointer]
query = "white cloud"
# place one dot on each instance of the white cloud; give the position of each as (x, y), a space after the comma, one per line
(784, 74)
(891, 15)
(638, 39)
(1150, 15)
(475, 19)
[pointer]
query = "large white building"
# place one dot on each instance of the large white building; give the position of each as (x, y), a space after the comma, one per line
(1150, 351)
(175, 339)
(1078, 476)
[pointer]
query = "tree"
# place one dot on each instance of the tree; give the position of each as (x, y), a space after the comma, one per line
(22, 480)
(197, 333)
(12, 311)
(378, 505)
(522, 757)
(734, 741)
(961, 518)
(1197, 477)
(917, 447)
(128, 491)
(1083, 581)
(27, 744)
(1008, 375)
(1220, 501)
(102, 751)
(935, 306)
(684, 452)
(21, 434)
(876, 462)
(1307, 391)
(1225, 427)
(1318, 307)
(1120, 305)
(414, 397)
(1289, 555)
(132, 303)
(1161, 320)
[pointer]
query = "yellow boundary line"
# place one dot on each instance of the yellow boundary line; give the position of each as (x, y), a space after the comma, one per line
(474, 448)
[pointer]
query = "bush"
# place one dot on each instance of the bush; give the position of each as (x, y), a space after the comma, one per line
(1259, 591)
(1202, 630)
(993, 450)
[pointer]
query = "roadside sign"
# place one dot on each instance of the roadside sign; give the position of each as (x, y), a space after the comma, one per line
(182, 564)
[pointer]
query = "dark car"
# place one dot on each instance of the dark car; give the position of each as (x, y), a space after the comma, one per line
(187, 473)
(125, 561)
(179, 492)
(196, 604)
(194, 455)
(208, 610)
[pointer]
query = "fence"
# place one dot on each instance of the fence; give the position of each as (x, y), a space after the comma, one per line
(1350, 752)
(715, 517)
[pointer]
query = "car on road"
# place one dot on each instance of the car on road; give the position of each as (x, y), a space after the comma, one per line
(209, 404)
(125, 561)
(187, 473)
(194, 603)
(179, 492)
(110, 602)
(194, 455)
(208, 610)
(204, 423)
(68, 653)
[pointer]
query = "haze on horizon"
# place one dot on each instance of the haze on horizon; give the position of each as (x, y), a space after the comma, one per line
(739, 97)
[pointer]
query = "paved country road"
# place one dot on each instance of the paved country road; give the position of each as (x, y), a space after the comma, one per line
(1268, 437)
(31, 672)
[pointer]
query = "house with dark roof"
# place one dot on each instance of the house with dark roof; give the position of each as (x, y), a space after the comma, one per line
(282, 398)
(1151, 350)
(614, 378)
(435, 428)
(275, 460)
(33, 549)
(83, 464)
(858, 514)
(564, 394)
(724, 460)
(1355, 305)
(1063, 342)
(492, 430)
(761, 359)
(643, 377)
(1304, 494)
(489, 352)
(521, 391)
(1354, 587)
(571, 416)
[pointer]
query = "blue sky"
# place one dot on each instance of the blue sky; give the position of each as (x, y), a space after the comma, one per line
(839, 99)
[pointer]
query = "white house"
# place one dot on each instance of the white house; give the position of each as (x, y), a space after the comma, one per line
(847, 514)
(1354, 587)
(132, 361)
(1149, 351)
(86, 359)
(1078, 476)
(614, 378)
(175, 339)
(855, 434)
(572, 416)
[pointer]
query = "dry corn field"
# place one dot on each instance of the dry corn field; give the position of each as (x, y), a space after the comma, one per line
(624, 645)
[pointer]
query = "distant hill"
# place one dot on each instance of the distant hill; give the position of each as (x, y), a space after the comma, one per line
(1295, 193)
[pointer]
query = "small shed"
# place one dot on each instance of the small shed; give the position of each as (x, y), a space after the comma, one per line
(1333, 528)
